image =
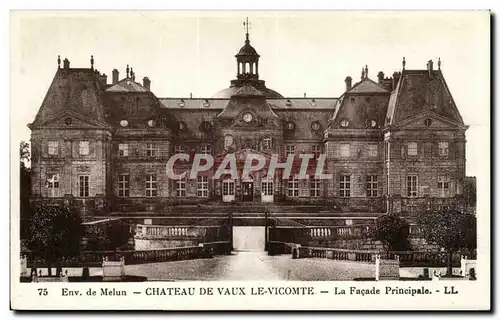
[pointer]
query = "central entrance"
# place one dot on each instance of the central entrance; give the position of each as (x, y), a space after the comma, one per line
(249, 238)
(247, 192)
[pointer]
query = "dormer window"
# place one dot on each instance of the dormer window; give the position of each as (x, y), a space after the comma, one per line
(313, 102)
(182, 103)
(205, 126)
(151, 123)
(182, 126)
(206, 104)
(290, 126)
(315, 126)
(288, 102)
(344, 123)
(123, 123)
(371, 123)
(427, 122)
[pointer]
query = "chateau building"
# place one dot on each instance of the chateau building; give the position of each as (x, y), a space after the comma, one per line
(392, 144)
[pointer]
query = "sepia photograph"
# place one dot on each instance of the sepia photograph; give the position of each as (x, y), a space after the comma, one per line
(163, 147)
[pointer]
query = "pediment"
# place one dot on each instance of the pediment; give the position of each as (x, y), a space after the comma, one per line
(429, 120)
(69, 119)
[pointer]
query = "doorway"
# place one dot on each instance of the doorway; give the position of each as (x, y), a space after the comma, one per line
(249, 238)
(247, 192)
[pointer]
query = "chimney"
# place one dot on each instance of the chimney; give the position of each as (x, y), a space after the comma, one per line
(66, 63)
(430, 67)
(132, 74)
(304, 94)
(103, 78)
(380, 77)
(348, 83)
(146, 83)
(190, 95)
(116, 74)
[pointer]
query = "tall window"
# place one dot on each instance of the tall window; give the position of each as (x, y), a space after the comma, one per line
(205, 149)
(372, 151)
(290, 149)
(411, 186)
(228, 188)
(53, 185)
(371, 186)
(316, 150)
(267, 143)
(202, 186)
(124, 185)
(179, 149)
(314, 187)
(345, 185)
(345, 150)
(53, 148)
(151, 185)
(150, 149)
(123, 150)
(443, 186)
(84, 186)
(412, 148)
(84, 148)
(181, 187)
(293, 187)
(443, 148)
(267, 188)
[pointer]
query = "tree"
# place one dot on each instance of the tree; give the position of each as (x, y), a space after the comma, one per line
(25, 186)
(54, 233)
(117, 234)
(451, 230)
(392, 231)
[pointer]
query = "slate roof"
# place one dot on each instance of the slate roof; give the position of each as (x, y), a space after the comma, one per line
(127, 85)
(419, 91)
(248, 98)
(72, 89)
(367, 86)
(228, 92)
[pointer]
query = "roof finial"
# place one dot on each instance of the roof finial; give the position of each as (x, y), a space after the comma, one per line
(362, 73)
(404, 63)
(366, 71)
(92, 62)
(439, 63)
(58, 61)
(128, 70)
(132, 74)
(246, 24)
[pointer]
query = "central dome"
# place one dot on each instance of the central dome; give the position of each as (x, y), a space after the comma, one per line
(247, 50)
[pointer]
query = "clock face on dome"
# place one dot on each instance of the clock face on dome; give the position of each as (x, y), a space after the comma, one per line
(247, 117)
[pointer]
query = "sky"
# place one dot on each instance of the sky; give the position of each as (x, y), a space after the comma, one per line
(301, 52)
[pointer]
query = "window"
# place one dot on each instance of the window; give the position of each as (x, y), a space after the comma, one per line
(411, 186)
(315, 126)
(179, 149)
(443, 186)
(267, 188)
(228, 188)
(53, 148)
(202, 186)
(124, 185)
(53, 185)
(372, 150)
(290, 149)
(84, 148)
(345, 150)
(123, 150)
(293, 187)
(345, 186)
(181, 187)
(412, 148)
(316, 150)
(290, 126)
(206, 149)
(314, 187)
(84, 186)
(443, 148)
(267, 143)
(344, 123)
(150, 150)
(151, 185)
(371, 186)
